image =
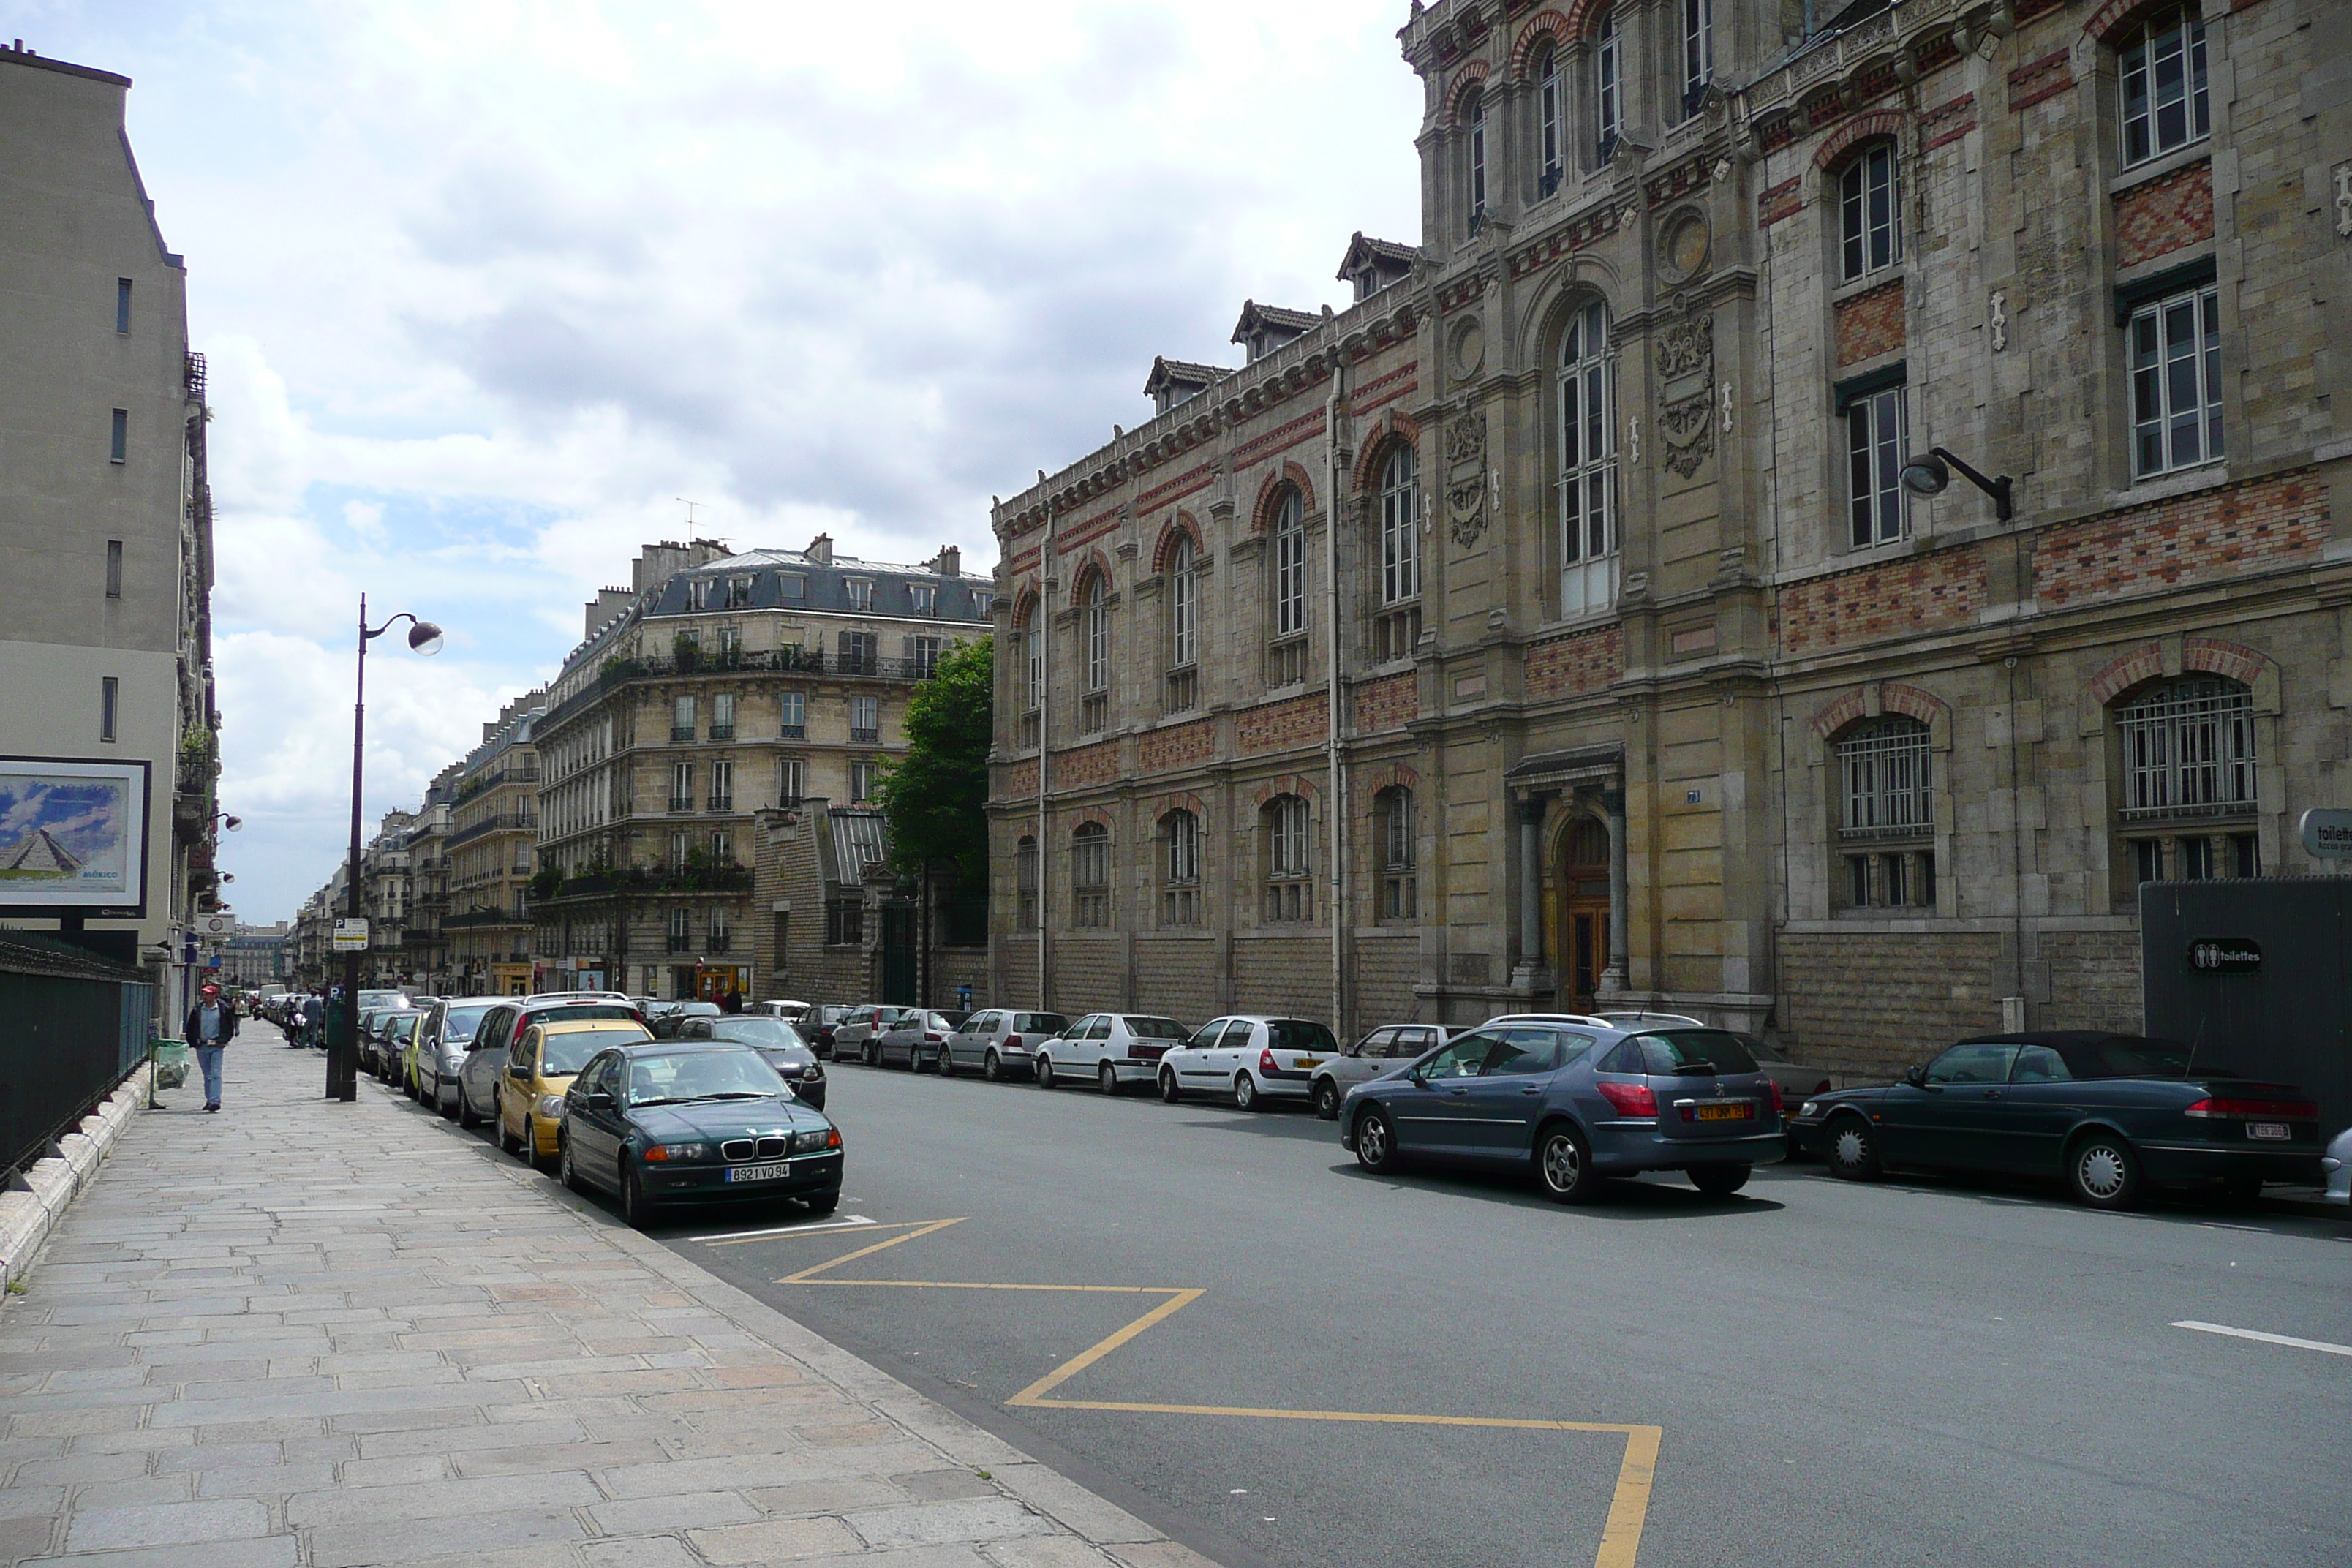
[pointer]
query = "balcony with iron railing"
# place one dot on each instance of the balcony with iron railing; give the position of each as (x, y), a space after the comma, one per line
(496, 822)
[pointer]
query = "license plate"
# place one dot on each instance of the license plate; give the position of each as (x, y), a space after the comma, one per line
(2268, 1130)
(775, 1172)
(1303, 1063)
(1743, 1111)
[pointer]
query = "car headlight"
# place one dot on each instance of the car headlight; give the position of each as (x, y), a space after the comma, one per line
(550, 1105)
(661, 1153)
(1810, 1108)
(822, 1137)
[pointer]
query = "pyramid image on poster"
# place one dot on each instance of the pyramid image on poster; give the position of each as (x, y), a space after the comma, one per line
(37, 854)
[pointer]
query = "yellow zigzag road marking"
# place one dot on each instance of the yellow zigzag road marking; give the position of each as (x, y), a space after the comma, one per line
(1629, 1506)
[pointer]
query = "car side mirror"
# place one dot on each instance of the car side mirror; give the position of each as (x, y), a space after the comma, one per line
(1917, 1078)
(519, 1073)
(598, 1100)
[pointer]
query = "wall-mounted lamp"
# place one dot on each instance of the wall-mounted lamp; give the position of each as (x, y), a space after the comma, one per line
(1929, 475)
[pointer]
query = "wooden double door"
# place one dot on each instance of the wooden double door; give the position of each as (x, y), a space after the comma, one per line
(1584, 914)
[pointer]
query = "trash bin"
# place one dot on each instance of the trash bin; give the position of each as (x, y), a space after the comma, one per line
(171, 1063)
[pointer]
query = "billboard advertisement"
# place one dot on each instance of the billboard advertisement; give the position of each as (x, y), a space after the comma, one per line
(73, 836)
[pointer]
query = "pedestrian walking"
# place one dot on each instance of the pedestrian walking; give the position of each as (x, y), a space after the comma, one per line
(211, 1026)
(314, 1019)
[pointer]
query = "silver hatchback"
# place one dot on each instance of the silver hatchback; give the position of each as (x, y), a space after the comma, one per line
(1384, 1051)
(1002, 1042)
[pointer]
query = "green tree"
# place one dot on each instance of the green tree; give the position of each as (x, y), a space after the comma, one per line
(936, 796)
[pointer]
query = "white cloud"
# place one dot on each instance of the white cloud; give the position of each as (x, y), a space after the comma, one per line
(485, 286)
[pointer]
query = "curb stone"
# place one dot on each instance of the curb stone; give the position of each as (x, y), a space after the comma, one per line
(28, 1215)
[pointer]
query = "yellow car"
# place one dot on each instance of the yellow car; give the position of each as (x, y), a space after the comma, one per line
(540, 1069)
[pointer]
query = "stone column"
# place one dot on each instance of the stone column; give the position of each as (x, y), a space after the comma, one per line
(1530, 973)
(1612, 976)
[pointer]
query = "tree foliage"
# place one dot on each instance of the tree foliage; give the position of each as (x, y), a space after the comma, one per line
(936, 796)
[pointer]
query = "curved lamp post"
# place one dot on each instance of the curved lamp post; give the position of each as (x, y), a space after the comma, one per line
(1927, 475)
(342, 1054)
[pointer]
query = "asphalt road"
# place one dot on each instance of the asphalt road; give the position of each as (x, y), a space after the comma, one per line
(1915, 1373)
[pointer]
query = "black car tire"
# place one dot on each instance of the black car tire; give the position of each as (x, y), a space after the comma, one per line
(1376, 1148)
(991, 1068)
(2104, 1171)
(527, 1150)
(1851, 1152)
(1168, 1089)
(1107, 1080)
(636, 1207)
(507, 1142)
(2242, 1190)
(1564, 1164)
(914, 1057)
(1327, 1099)
(1045, 1072)
(566, 1171)
(824, 1202)
(1245, 1095)
(1720, 1181)
(944, 1063)
(466, 1116)
(448, 1113)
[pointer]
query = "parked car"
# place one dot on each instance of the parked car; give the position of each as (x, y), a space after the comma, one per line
(818, 1028)
(2110, 1115)
(527, 1081)
(1253, 1058)
(918, 1039)
(1641, 1020)
(1002, 1041)
(440, 1042)
(676, 1012)
(2335, 1168)
(669, 1122)
(380, 1049)
(439, 1071)
(852, 1036)
(777, 1041)
(791, 1012)
(1384, 1051)
(385, 1000)
(1108, 1049)
(1575, 1106)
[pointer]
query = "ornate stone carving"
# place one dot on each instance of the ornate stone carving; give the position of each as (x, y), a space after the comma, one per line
(1465, 511)
(1466, 440)
(1687, 346)
(1686, 393)
(1465, 479)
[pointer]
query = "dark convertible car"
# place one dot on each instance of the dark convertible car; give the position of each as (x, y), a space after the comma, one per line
(669, 1122)
(2109, 1114)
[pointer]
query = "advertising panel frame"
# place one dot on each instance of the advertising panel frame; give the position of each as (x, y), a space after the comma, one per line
(39, 829)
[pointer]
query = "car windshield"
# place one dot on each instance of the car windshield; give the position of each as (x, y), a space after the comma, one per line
(767, 1034)
(404, 1027)
(1676, 1054)
(568, 1050)
(1155, 1028)
(1296, 1034)
(701, 1074)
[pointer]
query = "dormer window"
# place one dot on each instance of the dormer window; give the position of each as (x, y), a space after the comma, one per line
(1265, 327)
(738, 593)
(1372, 265)
(1174, 381)
(791, 585)
(698, 594)
(860, 592)
(926, 597)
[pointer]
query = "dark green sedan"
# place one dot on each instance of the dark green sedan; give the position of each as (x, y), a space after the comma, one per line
(666, 1123)
(2111, 1115)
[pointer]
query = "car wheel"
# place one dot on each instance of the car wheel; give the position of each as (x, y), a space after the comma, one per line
(636, 1207)
(1326, 1098)
(1853, 1152)
(991, 1068)
(448, 1113)
(526, 1151)
(1168, 1089)
(466, 1114)
(1106, 1079)
(507, 1140)
(566, 1171)
(914, 1057)
(1564, 1164)
(2104, 1172)
(1720, 1181)
(824, 1202)
(944, 1064)
(1044, 1070)
(1246, 1090)
(1376, 1148)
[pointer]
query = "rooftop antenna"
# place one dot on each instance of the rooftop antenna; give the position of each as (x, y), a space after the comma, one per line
(689, 506)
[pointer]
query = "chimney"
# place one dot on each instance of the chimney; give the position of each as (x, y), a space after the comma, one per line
(948, 562)
(490, 728)
(820, 550)
(608, 603)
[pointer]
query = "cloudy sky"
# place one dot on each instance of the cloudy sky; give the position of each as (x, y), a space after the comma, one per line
(487, 286)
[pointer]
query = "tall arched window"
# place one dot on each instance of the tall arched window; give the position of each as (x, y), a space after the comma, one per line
(1094, 654)
(1888, 814)
(1397, 843)
(2188, 765)
(1031, 629)
(1183, 625)
(1289, 860)
(1179, 869)
(1024, 878)
(1090, 876)
(1608, 87)
(1398, 625)
(1287, 665)
(1588, 464)
(1869, 212)
(1698, 51)
(1474, 114)
(1550, 156)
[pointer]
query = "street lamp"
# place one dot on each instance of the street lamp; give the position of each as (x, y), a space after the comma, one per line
(1927, 475)
(342, 1054)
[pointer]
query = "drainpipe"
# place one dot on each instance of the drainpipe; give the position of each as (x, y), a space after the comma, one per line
(1045, 628)
(1336, 814)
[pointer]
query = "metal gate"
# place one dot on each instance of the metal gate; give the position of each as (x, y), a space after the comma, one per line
(899, 933)
(78, 1027)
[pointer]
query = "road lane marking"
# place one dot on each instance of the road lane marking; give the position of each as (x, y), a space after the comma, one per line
(1629, 1503)
(2257, 1334)
(728, 1239)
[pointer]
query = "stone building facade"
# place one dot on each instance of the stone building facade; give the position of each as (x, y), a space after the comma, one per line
(494, 819)
(1571, 572)
(715, 686)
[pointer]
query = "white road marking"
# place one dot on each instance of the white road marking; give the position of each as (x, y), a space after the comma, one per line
(848, 1222)
(2288, 1340)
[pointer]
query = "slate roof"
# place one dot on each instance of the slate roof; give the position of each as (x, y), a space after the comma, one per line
(860, 839)
(823, 588)
(1166, 372)
(1364, 248)
(1255, 316)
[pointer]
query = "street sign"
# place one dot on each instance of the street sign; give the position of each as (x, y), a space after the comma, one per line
(2327, 833)
(2225, 956)
(217, 925)
(351, 933)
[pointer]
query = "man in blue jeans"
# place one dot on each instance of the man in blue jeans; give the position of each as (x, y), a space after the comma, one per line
(212, 1025)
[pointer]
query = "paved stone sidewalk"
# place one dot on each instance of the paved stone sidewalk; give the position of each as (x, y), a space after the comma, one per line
(300, 1333)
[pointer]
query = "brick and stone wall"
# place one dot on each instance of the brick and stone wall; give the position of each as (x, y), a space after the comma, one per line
(2209, 537)
(1571, 666)
(1868, 1003)
(1386, 704)
(1870, 324)
(1279, 726)
(1897, 599)
(2164, 215)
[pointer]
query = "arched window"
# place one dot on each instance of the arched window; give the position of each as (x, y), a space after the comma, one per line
(1398, 625)
(1588, 464)
(1550, 155)
(1030, 628)
(1698, 52)
(1090, 876)
(2160, 71)
(1608, 87)
(1183, 625)
(1288, 666)
(1179, 869)
(1474, 114)
(1094, 655)
(1397, 843)
(1025, 878)
(1869, 212)
(1887, 817)
(2188, 766)
(1289, 860)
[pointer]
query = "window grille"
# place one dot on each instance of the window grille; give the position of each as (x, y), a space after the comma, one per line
(2161, 67)
(1588, 464)
(2188, 750)
(1180, 897)
(1870, 216)
(859, 652)
(1090, 876)
(1889, 782)
(1289, 895)
(681, 719)
(1024, 878)
(2176, 368)
(866, 720)
(722, 716)
(1878, 428)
